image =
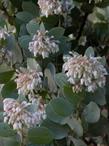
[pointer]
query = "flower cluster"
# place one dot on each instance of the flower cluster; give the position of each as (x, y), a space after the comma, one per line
(28, 80)
(85, 73)
(50, 7)
(17, 114)
(43, 45)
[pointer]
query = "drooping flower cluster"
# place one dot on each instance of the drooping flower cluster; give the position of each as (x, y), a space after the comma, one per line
(43, 45)
(50, 7)
(85, 73)
(17, 114)
(28, 80)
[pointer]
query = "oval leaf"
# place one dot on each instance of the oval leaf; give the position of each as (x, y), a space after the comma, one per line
(89, 52)
(92, 113)
(9, 90)
(5, 76)
(24, 16)
(6, 131)
(40, 135)
(24, 41)
(58, 109)
(32, 27)
(57, 32)
(59, 131)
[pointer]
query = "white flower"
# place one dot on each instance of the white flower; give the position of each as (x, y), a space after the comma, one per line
(85, 73)
(50, 7)
(17, 114)
(28, 80)
(43, 45)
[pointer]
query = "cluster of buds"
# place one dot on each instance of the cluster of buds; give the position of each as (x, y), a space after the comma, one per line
(43, 45)
(18, 115)
(50, 7)
(28, 80)
(85, 73)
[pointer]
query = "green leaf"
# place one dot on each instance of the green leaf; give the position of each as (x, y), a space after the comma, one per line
(42, 27)
(32, 27)
(6, 131)
(30, 7)
(32, 64)
(91, 113)
(24, 41)
(57, 32)
(52, 115)
(17, 54)
(2, 21)
(98, 96)
(52, 69)
(101, 29)
(6, 76)
(1, 113)
(89, 52)
(61, 80)
(74, 98)
(50, 21)
(23, 30)
(64, 45)
(24, 16)
(50, 81)
(40, 135)
(14, 47)
(75, 125)
(62, 107)
(4, 141)
(58, 130)
(58, 109)
(103, 60)
(9, 90)
(5, 68)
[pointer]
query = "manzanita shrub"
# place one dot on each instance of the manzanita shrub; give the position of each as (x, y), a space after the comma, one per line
(54, 72)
